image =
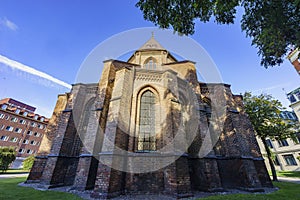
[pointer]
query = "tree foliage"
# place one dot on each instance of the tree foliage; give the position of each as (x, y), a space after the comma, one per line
(273, 25)
(7, 156)
(263, 112)
(28, 162)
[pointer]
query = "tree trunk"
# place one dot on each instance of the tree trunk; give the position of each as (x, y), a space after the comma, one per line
(270, 159)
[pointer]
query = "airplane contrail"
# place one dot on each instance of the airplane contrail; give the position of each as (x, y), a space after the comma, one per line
(16, 65)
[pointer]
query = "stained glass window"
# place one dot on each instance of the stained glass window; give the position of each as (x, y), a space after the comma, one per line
(146, 138)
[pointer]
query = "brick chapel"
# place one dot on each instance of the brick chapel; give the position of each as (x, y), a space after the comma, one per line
(150, 127)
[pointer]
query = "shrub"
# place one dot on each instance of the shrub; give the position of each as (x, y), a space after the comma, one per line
(7, 156)
(28, 162)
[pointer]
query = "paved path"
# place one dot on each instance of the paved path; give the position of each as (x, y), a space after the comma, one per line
(288, 179)
(13, 175)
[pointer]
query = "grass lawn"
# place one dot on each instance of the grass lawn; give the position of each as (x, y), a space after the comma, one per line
(10, 190)
(292, 174)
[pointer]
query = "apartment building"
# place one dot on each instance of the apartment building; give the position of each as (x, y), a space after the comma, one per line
(21, 128)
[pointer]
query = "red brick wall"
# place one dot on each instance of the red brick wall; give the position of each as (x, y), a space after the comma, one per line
(35, 135)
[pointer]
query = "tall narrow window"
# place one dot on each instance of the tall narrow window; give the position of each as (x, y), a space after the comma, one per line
(146, 138)
(150, 64)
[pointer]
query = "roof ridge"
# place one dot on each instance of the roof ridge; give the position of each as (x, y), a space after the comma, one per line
(152, 44)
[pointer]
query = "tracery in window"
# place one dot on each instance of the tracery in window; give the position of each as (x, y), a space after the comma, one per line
(146, 137)
(150, 64)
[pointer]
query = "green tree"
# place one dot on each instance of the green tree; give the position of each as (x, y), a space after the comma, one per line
(7, 156)
(263, 111)
(28, 162)
(272, 25)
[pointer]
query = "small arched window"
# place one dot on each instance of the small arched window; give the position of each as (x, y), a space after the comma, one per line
(150, 64)
(147, 136)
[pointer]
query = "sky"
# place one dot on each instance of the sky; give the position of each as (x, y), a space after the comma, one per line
(44, 43)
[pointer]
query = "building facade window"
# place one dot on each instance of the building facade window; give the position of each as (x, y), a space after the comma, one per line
(18, 130)
(29, 151)
(36, 134)
(25, 114)
(150, 64)
(22, 121)
(25, 141)
(17, 111)
(21, 151)
(2, 115)
(14, 139)
(4, 138)
(40, 126)
(292, 98)
(283, 143)
(32, 142)
(33, 124)
(3, 107)
(147, 136)
(269, 143)
(29, 132)
(290, 160)
(296, 138)
(9, 128)
(13, 119)
(276, 161)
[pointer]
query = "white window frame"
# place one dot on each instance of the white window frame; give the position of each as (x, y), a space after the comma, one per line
(11, 128)
(37, 134)
(18, 130)
(4, 106)
(25, 141)
(22, 151)
(4, 138)
(30, 151)
(29, 133)
(14, 119)
(14, 139)
(22, 121)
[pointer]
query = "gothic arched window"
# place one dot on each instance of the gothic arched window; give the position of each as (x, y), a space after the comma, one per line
(150, 64)
(147, 136)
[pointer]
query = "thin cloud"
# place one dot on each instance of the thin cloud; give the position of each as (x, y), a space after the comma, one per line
(8, 24)
(280, 86)
(19, 66)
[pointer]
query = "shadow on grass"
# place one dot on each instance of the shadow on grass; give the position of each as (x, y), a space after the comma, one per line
(15, 171)
(9, 189)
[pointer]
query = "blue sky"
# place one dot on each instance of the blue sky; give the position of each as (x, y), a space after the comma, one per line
(55, 37)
